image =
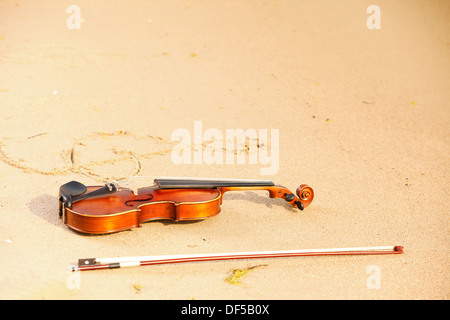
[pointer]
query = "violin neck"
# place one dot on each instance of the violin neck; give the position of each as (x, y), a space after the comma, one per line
(225, 185)
(193, 183)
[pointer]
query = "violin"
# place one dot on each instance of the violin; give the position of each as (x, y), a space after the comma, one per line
(110, 208)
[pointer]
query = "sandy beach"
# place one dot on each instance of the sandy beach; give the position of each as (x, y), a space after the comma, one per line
(351, 101)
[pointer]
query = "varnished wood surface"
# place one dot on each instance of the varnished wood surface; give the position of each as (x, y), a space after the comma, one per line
(123, 209)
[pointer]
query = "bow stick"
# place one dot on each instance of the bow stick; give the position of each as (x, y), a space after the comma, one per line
(112, 263)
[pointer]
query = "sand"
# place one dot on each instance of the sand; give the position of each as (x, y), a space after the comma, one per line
(362, 115)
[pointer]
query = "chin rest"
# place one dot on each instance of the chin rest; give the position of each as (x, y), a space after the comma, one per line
(70, 190)
(74, 191)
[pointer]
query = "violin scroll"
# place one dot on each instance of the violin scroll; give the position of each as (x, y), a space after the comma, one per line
(305, 194)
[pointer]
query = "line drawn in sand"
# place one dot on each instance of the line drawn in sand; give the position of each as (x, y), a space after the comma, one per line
(99, 155)
(90, 155)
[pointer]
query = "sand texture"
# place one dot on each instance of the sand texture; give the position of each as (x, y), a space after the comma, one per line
(362, 116)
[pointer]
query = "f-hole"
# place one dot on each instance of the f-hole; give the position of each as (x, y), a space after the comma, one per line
(129, 203)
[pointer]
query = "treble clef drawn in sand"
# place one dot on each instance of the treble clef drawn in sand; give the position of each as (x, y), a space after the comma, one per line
(93, 155)
(100, 155)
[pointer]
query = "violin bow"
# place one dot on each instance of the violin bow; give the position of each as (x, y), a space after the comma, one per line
(113, 263)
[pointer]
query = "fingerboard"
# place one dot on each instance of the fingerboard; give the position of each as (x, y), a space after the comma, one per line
(194, 183)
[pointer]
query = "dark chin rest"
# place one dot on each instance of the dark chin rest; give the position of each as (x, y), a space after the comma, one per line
(74, 191)
(70, 190)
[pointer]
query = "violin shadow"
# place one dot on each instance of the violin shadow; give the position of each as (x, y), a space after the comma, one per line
(46, 207)
(239, 195)
(258, 199)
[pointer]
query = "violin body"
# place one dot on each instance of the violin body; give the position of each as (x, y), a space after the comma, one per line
(99, 210)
